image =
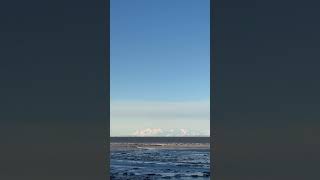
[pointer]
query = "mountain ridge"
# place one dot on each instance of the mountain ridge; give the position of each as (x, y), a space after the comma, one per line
(159, 132)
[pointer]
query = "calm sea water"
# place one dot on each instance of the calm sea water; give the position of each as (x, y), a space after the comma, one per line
(151, 162)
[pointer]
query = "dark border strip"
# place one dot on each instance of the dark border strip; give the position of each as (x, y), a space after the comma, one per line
(107, 85)
(212, 88)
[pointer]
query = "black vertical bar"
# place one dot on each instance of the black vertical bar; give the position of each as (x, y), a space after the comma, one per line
(107, 88)
(212, 88)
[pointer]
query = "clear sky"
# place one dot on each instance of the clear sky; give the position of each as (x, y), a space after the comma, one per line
(160, 60)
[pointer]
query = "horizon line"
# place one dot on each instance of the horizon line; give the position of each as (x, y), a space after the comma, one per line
(160, 136)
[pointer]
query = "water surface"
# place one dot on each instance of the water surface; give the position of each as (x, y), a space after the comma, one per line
(144, 159)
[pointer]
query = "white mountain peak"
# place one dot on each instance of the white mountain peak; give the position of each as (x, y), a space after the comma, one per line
(168, 132)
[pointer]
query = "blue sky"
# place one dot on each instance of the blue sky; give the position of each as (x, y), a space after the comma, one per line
(159, 55)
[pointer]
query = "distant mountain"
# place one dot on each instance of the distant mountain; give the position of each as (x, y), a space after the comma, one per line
(168, 132)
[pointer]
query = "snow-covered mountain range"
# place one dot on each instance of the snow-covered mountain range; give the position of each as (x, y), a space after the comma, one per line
(169, 132)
